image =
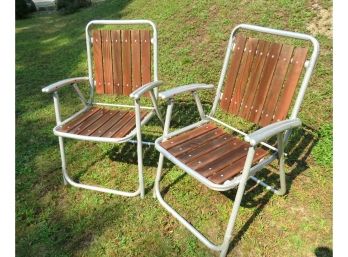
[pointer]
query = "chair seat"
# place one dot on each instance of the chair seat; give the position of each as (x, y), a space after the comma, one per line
(212, 152)
(102, 122)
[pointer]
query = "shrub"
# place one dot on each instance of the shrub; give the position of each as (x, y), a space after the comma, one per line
(70, 6)
(22, 9)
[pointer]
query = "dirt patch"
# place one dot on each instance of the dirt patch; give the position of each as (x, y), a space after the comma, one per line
(322, 22)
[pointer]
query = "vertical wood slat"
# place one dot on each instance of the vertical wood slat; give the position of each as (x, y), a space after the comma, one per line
(98, 62)
(126, 62)
(107, 61)
(145, 56)
(276, 85)
(294, 73)
(136, 69)
(232, 72)
(117, 61)
(243, 74)
(267, 74)
(122, 60)
(253, 84)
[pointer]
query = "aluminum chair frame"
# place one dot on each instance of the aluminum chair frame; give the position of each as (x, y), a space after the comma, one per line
(281, 129)
(151, 87)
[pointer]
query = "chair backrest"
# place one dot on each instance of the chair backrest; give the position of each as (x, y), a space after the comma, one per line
(262, 76)
(122, 60)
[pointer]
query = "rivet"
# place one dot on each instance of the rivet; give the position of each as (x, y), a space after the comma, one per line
(261, 53)
(249, 51)
(190, 155)
(209, 168)
(172, 142)
(255, 110)
(199, 162)
(272, 56)
(222, 175)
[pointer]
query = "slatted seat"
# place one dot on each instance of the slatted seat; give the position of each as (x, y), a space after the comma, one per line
(102, 122)
(212, 152)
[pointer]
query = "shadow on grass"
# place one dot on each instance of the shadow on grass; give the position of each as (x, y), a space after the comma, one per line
(299, 148)
(323, 252)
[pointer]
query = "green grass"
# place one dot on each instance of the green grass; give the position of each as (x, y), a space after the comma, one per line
(57, 220)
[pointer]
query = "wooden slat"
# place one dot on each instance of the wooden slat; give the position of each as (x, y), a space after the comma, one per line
(117, 126)
(126, 62)
(293, 76)
(216, 154)
(145, 56)
(100, 122)
(87, 122)
(171, 142)
(243, 74)
(276, 85)
(256, 71)
(233, 71)
(128, 127)
(98, 62)
(238, 152)
(78, 120)
(117, 61)
(107, 61)
(266, 78)
(235, 168)
(195, 142)
(136, 69)
(104, 128)
(205, 148)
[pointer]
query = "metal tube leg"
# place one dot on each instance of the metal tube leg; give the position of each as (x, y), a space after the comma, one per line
(237, 201)
(158, 174)
(139, 149)
(62, 156)
(281, 157)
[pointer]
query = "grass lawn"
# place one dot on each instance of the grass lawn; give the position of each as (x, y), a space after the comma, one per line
(57, 220)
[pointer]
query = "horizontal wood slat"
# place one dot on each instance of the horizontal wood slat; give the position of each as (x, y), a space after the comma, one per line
(211, 152)
(102, 122)
(122, 60)
(261, 79)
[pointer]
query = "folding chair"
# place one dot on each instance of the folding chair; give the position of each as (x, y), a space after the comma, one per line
(121, 65)
(260, 84)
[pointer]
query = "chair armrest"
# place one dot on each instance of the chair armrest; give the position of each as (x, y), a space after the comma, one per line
(136, 94)
(57, 85)
(259, 135)
(183, 89)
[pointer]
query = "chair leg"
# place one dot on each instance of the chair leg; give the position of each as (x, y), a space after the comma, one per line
(223, 248)
(89, 187)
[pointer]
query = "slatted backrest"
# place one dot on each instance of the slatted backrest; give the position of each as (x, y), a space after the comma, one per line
(121, 60)
(262, 79)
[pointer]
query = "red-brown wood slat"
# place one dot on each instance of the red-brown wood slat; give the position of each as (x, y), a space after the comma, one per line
(276, 85)
(136, 69)
(78, 120)
(117, 126)
(205, 148)
(235, 167)
(117, 61)
(236, 153)
(233, 71)
(195, 142)
(98, 62)
(128, 126)
(294, 73)
(104, 128)
(213, 155)
(126, 62)
(107, 61)
(145, 56)
(256, 71)
(100, 122)
(176, 140)
(87, 122)
(266, 78)
(243, 75)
